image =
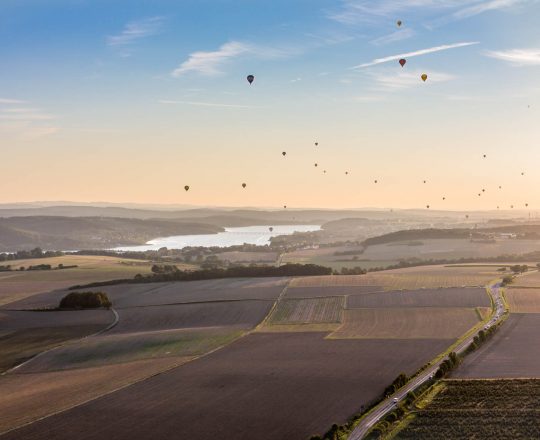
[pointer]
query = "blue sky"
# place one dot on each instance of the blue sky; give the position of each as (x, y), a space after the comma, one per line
(153, 95)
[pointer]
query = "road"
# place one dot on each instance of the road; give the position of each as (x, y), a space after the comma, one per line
(389, 404)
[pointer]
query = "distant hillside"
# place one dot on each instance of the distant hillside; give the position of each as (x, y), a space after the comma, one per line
(72, 233)
(521, 231)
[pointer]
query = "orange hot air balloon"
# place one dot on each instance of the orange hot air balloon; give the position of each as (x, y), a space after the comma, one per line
(402, 61)
(186, 187)
(250, 78)
(424, 77)
(243, 185)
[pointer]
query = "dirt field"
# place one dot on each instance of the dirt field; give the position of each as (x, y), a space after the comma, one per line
(15, 286)
(248, 257)
(478, 409)
(512, 353)
(529, 279)
(407, 323)
(317, 292)
(410, 278)
(523, 300)
(308, 311)
(129, 295)
(24, 334)
(452, 297)
(241, 314)
(263, 386)
(27, 397)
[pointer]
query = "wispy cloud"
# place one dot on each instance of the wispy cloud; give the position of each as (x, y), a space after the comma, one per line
(407, 79)
(361, 11)
(137, 30)
(486, 6)
(393, 37)
(11, 101)
(206, 104)
(211, 63)
(24, 123)
(415, 53)
(517, 57)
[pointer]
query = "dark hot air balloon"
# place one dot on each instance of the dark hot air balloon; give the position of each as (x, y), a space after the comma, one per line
(271, 228)
(243, 185)
(250, 78)
(424, 77)
(399, 23)
(284, 153)
(186, 187)
(402, 61)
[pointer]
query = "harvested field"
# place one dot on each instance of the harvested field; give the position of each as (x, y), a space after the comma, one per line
(318, 292)
(129, 295)
(27, 397)
(17, 320)
(241, 314)
(478, 409)
(308, 311)
(529, 279)
(23, 334)
(407, 323)
(264, 386)
(410, 278)
(523, 300)
(15, 286)
(129, 347)
(512, 353)
(248, 257)
(17, 346)
(452, 297)
(299, 328)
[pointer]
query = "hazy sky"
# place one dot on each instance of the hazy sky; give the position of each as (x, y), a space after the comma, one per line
(128, 101)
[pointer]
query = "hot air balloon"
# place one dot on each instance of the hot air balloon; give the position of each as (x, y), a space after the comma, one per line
(467, 216)
(485, 155)
(250, 78)
(483, 190)
(402, 61)
(316, 165)
(427, 206)
(376, 181)
(512, 206)
(444, 198)
(186, 187)
(425, 181)
(285, 206)
(399, 23)
(526, 205)
(284, 153)
(424, 77)
(522, 174)
(316, 144)
(346, 172)
(271, 228)
(500, 187)
(243, 185)
(324, 171)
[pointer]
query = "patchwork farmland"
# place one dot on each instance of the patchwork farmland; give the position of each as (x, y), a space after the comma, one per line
(230, 350)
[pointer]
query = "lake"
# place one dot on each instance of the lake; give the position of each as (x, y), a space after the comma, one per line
(259, 235)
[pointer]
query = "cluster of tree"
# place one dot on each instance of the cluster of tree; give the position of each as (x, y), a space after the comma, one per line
(164, 268)
(507, 279)
(517, 269)
(39, 267)
(26, 255)
(287, 270)
(352, 271)
(449, 364)
(398, 382)
(5, 268)
(481, 338)
(85, 300)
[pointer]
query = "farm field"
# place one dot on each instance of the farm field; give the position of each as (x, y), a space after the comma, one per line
(512, 353)
(27, 397)
(224, 394)
(478, 409)
(308, 311)
(410, 278)
(529, 279)
(449, 249)
(248, 257)
(23, 334)
(148, 294)
(523, 300)
(121, 348)
(18, 285)
(407, 323)
(451, 297)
